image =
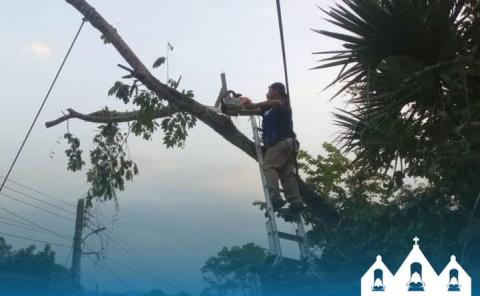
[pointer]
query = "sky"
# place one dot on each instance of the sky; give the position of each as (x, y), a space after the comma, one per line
(186, 204)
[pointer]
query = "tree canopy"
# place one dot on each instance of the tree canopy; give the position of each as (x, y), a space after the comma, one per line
(29, 271)
(410, 72)
(378, 217)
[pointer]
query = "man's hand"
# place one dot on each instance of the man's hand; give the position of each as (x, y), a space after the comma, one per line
(245, 102)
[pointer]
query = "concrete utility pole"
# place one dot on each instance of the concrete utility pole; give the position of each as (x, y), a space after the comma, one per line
(77, 241)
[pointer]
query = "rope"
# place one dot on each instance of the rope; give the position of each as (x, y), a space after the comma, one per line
(42, 105)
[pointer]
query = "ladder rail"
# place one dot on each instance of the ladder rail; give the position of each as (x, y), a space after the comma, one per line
(300, 231)
(273, 234)
(272, 230)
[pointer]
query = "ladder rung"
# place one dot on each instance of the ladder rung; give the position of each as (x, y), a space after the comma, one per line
(286, 260)
(292, 261)
(291, 237)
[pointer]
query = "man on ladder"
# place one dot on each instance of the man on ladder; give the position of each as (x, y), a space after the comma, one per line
(280, 147)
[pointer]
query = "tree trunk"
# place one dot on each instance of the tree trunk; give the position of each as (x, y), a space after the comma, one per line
(223, 125)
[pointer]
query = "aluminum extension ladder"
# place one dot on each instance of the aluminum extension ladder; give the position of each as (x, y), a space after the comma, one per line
(274, 235)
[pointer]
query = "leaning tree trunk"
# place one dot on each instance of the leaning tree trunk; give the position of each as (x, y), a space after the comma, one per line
(221, 124)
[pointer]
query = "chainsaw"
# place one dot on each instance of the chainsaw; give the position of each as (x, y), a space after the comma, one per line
(233, 104)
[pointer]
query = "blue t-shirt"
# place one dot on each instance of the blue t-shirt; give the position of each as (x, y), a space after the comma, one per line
(277, 124)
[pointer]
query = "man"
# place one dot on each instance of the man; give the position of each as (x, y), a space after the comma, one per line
(280, 145)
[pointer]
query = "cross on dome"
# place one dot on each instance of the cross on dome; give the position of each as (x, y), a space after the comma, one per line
(416, 239)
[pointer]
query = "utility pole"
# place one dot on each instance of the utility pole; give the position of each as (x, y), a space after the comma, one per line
(77, 241)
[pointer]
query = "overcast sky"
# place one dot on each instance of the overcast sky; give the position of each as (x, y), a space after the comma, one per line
(186, 204)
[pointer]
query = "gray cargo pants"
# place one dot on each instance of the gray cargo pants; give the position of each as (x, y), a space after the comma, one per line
(279, 164)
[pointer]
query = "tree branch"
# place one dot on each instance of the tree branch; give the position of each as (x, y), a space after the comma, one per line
(107, 116)
(223, 125)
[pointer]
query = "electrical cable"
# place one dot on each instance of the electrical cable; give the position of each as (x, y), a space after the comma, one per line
(39, 200)
(39, 192)
(22, 227)
(41, 106)
(37, 207)
(108, 271)
(64, 236)
(34, 240)
(134, 260)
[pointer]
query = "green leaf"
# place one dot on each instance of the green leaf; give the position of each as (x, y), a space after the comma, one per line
(160, 61)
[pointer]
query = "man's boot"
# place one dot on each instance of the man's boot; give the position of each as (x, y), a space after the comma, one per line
(277, 202)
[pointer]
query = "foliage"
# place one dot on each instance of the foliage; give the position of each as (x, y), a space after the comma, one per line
(334, 176)
(176, 129)
(159, 62)
(235, 271)
(31, 272)
(379, 216)
(110, 166)
(74, 153)
(411, 71)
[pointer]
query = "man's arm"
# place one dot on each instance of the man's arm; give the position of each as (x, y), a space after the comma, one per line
(258, 108)
(265, 104)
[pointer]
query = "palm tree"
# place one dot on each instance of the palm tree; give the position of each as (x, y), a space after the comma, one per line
(411, 69)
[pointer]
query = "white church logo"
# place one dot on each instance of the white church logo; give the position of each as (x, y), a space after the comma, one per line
(416, 277)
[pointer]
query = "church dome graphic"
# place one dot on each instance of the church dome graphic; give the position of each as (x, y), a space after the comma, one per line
(417, 277)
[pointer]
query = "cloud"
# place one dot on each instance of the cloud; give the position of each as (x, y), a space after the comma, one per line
(40, 50)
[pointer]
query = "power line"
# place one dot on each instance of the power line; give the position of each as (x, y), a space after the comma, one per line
(117, 247)
(34, 240)
(68, 257)
(22, 227)
(129, 253)
(42, 105)
(114, 261)
(113, 242)
(39, 200)
(145, 263)
(135, 269)
(143, 268)
(36, 207)
(39, 192)
(112, 274)
(64, 236)
(15, 221)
